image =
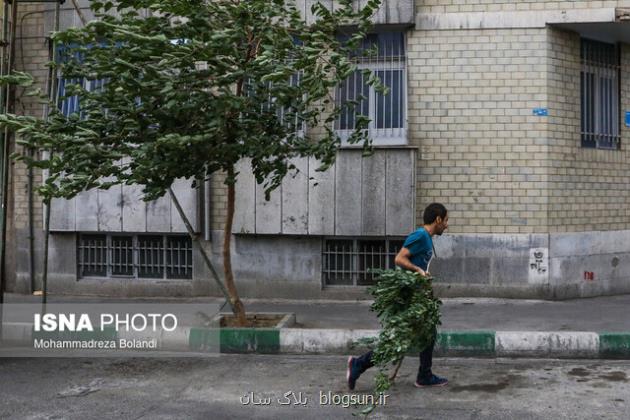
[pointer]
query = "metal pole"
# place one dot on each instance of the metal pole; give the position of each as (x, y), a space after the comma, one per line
(3, 158)
(5, 148)
(48, 203)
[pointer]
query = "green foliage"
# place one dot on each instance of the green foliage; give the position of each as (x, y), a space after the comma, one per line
(187, 92)
(409, 316)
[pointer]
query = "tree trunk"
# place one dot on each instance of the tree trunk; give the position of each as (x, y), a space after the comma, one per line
(237, 305)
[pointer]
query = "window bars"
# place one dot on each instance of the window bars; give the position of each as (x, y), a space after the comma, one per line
(138, 256)
(93, 255)
(69, 105)
(599, 87)
(288, 115)
(347, 261)
(387, 113)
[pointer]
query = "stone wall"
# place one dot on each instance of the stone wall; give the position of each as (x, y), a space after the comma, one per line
(482, 151)
(589, 188)
(460, 6)
(31, 55)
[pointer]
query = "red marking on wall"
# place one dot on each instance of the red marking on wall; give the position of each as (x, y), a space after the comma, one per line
(589, 275)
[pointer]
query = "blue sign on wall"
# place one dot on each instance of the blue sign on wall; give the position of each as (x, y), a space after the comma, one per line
(541, 112)
(627, 118)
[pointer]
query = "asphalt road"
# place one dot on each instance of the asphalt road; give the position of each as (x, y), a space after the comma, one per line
(212, 388)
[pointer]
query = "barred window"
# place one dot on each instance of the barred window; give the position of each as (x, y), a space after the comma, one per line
(93, 255)
(136, 256)
(121, 251)
(387, 113)
(69, 105)
(288, 115)
(347, 261)
(599, 86)
(151, 256)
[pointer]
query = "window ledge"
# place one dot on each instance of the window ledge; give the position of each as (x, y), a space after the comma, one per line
(378, 146)
(136, 280)
(601, 155)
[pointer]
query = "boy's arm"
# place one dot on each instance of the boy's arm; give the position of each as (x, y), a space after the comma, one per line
(403, 260)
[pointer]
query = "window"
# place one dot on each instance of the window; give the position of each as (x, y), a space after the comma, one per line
(289, 116)
(347, 261)
(93, 255)
(599, 87)
(387, 113)
(150, 256)
(137, 256)
(70, 104)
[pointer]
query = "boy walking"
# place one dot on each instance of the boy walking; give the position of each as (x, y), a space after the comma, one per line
(415, 255)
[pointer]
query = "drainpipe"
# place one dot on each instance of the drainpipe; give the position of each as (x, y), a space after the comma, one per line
(29, 188)
(3, 155)
(29, 192)
(49, 203)
(207, 209)
(8, 102)
(31, 230)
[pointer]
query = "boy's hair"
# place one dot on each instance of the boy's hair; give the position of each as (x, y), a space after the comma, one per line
(432, 211)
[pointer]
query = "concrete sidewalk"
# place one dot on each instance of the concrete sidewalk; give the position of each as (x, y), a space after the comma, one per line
(592, 327)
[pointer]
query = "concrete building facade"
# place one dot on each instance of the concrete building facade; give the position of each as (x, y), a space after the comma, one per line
(511, 113)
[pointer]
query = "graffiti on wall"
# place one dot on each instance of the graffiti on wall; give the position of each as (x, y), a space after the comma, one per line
(538, 264)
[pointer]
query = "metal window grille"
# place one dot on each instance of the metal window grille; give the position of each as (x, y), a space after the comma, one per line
(121, 255)
(71, 104)
(141, 256)
(347, 261)
(288, 112)
(151, 256)
(599, 86)
(178, 257)
(92, 255)
(387, 113)
(289, 115)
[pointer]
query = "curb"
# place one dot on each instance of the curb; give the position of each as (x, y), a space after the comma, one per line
(552, 344)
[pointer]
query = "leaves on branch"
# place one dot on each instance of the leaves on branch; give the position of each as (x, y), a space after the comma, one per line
(409, 315)
(186, 88)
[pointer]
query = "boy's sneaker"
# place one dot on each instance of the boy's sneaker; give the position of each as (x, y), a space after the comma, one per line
(353, 372)
(432, 380)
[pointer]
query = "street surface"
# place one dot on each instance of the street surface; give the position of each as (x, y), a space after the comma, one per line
(217, 388)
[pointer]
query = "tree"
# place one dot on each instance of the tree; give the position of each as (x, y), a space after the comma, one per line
(187, 88)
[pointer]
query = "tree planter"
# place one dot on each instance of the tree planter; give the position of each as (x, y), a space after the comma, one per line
(257, 320)
(262, 337)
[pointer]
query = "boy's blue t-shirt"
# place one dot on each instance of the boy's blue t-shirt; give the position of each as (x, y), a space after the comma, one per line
(420, 245)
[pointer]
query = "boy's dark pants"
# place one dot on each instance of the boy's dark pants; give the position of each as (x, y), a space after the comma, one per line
(426, 360)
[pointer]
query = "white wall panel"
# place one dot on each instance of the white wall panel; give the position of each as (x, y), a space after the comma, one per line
(295, 199)
(321, 199)
(348, 202)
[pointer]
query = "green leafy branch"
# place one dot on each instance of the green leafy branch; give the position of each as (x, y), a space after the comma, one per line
(409, 314)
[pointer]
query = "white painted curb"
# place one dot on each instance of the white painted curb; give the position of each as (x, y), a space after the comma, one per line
(547, 344)
(297, 340)
(560, 344)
